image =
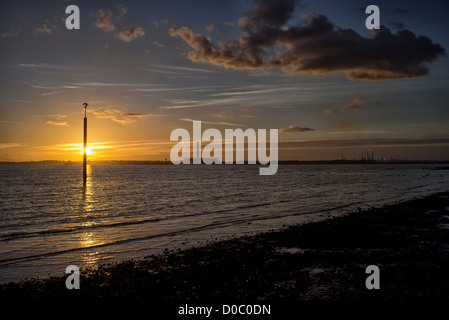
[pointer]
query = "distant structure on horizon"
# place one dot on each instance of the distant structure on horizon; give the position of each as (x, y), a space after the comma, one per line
(370, 158)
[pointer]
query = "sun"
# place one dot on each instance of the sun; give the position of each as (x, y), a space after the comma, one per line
(88, 151)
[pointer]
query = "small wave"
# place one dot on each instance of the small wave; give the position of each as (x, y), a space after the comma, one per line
(254, 205)
(17, 235)
(10, 261)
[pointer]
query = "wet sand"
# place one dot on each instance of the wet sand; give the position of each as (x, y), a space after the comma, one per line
(409, 242)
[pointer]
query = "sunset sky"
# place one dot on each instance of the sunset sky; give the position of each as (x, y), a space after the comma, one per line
(308, 68)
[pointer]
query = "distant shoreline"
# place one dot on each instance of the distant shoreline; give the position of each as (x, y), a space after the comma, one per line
(161, 162)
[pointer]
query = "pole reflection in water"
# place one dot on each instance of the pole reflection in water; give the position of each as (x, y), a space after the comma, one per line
(88, 193)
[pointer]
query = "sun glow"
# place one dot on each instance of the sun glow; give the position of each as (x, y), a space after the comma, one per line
(88, 151)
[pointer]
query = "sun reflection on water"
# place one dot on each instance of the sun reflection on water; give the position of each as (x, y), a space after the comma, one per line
(89, 239)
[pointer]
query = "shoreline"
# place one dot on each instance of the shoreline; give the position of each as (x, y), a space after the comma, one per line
(323, 260)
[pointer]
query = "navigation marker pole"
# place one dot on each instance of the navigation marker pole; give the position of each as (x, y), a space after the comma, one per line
(85, 146)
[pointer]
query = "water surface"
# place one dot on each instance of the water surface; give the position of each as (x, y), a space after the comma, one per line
(48, 220)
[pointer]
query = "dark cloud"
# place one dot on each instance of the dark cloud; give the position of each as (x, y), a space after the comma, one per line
(272, 13)
(402, 10)
(313, 45)
(397, 25)
(295, 128)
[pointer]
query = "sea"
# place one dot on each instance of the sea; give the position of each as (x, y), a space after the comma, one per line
(49, 220)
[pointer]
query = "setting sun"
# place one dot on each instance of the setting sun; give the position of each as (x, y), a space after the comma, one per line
(88, 151)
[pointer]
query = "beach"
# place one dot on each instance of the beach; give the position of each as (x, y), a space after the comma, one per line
(323, 260)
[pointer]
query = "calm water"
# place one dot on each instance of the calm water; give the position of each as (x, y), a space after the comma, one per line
(48, 220)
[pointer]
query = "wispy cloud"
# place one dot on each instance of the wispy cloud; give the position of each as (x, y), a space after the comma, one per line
(221, 123)
(205, 103)
(111, 84)
(223, 115)
(246, 112)
(57, 123)
(118, 116)
(158, 44)
(43, 29)
(158, 23)
(55, 87)
(255, 91)
(122, 10)
(49, 93)
(43, 66)
(249, 109)
(181, 89)
(11, 33)
(4, 145)
(21, 100)
(180, 68)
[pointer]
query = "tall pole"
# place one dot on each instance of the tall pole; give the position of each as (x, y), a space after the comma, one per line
(85, 146)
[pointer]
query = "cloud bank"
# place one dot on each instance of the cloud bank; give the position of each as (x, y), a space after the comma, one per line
(313, 45)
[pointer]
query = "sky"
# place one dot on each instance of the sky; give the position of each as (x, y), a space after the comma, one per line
(308, 68)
